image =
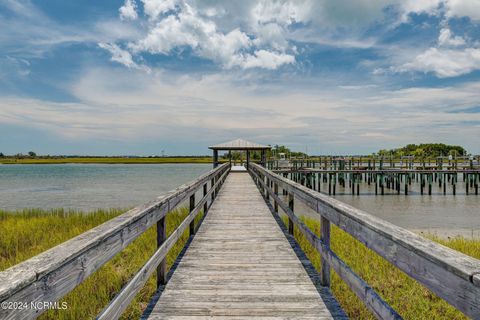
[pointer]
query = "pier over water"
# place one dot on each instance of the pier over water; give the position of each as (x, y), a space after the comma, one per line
(241, 262)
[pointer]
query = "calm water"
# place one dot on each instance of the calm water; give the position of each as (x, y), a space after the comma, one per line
(90, 186)
(442, 214)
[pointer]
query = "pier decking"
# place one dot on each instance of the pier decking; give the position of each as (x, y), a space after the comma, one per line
(240, 265)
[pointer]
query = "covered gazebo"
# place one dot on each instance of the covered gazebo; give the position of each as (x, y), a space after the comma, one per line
(239, 145)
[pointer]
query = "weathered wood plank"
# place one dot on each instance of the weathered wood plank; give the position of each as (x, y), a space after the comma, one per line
(52, 274)
(371, 299)
(116, 307)
(237, 266)
(453, 276)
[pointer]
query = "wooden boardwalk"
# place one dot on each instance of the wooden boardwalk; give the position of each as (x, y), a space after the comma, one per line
(240, 265)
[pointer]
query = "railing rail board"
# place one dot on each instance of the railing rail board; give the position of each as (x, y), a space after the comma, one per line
(55, 272)
(451, 275)
(116, 307)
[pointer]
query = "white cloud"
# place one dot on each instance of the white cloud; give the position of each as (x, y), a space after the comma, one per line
(129, 10)
(204, 108)
(446, 38)
(266, 59)
(121, 56)
(451, 58)
(429, 7)
(154, 8)
(463, 8)
(445, 62)
(186, 27)
(450, 8)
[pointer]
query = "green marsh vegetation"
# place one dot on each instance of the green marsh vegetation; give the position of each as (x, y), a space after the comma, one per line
(26, 233)
(405, 295)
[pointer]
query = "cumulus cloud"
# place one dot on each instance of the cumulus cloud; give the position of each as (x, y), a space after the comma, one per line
(129, 10)
(446, 38)
(187, 27)
(463, 8)
(445, 62)
(450, 59)
(154, 8)
(450, 8)
(430, 7)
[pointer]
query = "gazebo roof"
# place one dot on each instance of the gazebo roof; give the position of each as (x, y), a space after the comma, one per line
(239, 144)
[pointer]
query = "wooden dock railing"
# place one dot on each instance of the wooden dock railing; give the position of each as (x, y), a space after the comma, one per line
(49, 276)
(451, 275)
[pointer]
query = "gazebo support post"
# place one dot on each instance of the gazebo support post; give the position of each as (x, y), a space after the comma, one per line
(248, 158)
(215, 158)
(230, 157)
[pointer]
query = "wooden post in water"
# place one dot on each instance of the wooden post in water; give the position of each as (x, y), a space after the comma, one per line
(406, 183)
(325, 237)
(467, 179)
(161, 237)
(430, 184)
(334, 183)
(382, 184)
(444, 183)
(454, 178)
(329, 184)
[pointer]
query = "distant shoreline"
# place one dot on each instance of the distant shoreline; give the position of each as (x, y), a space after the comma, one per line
(108, 160)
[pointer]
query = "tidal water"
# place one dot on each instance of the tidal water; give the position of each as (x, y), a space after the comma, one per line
(444, 215)
(91, 186)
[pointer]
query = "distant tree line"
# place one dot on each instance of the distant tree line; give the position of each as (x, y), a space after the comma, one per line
(30, 154)
(425, 150)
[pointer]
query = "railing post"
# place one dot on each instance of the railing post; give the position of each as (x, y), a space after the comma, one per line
(267, 185)
(290, 205)
(211, 186)
(161, 237)
(325, 237)
(275, 190)
(205, 205)
(192, 206)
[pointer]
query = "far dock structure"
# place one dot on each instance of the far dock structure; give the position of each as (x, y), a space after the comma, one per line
(241, 261)
(240, 145)
(444, 174)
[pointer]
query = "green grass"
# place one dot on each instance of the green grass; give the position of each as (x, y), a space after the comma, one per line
(26, 233)
(408, 297)
(106, 160)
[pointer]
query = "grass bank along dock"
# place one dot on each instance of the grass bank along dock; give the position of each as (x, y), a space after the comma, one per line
(241, 262)
(397, 177)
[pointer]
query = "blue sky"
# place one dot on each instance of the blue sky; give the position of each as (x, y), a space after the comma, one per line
(141, 76)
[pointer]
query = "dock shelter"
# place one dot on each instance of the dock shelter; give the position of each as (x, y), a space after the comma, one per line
(240, 145)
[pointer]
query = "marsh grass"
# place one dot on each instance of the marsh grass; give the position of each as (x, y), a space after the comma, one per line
(26, 233)
(408, 297)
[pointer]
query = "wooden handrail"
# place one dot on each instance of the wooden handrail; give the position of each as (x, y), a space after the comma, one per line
(116, 307)
(52, 274)
(453, 276)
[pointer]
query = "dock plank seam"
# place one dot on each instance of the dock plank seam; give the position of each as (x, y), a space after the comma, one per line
(271, 284)
(330, 301)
